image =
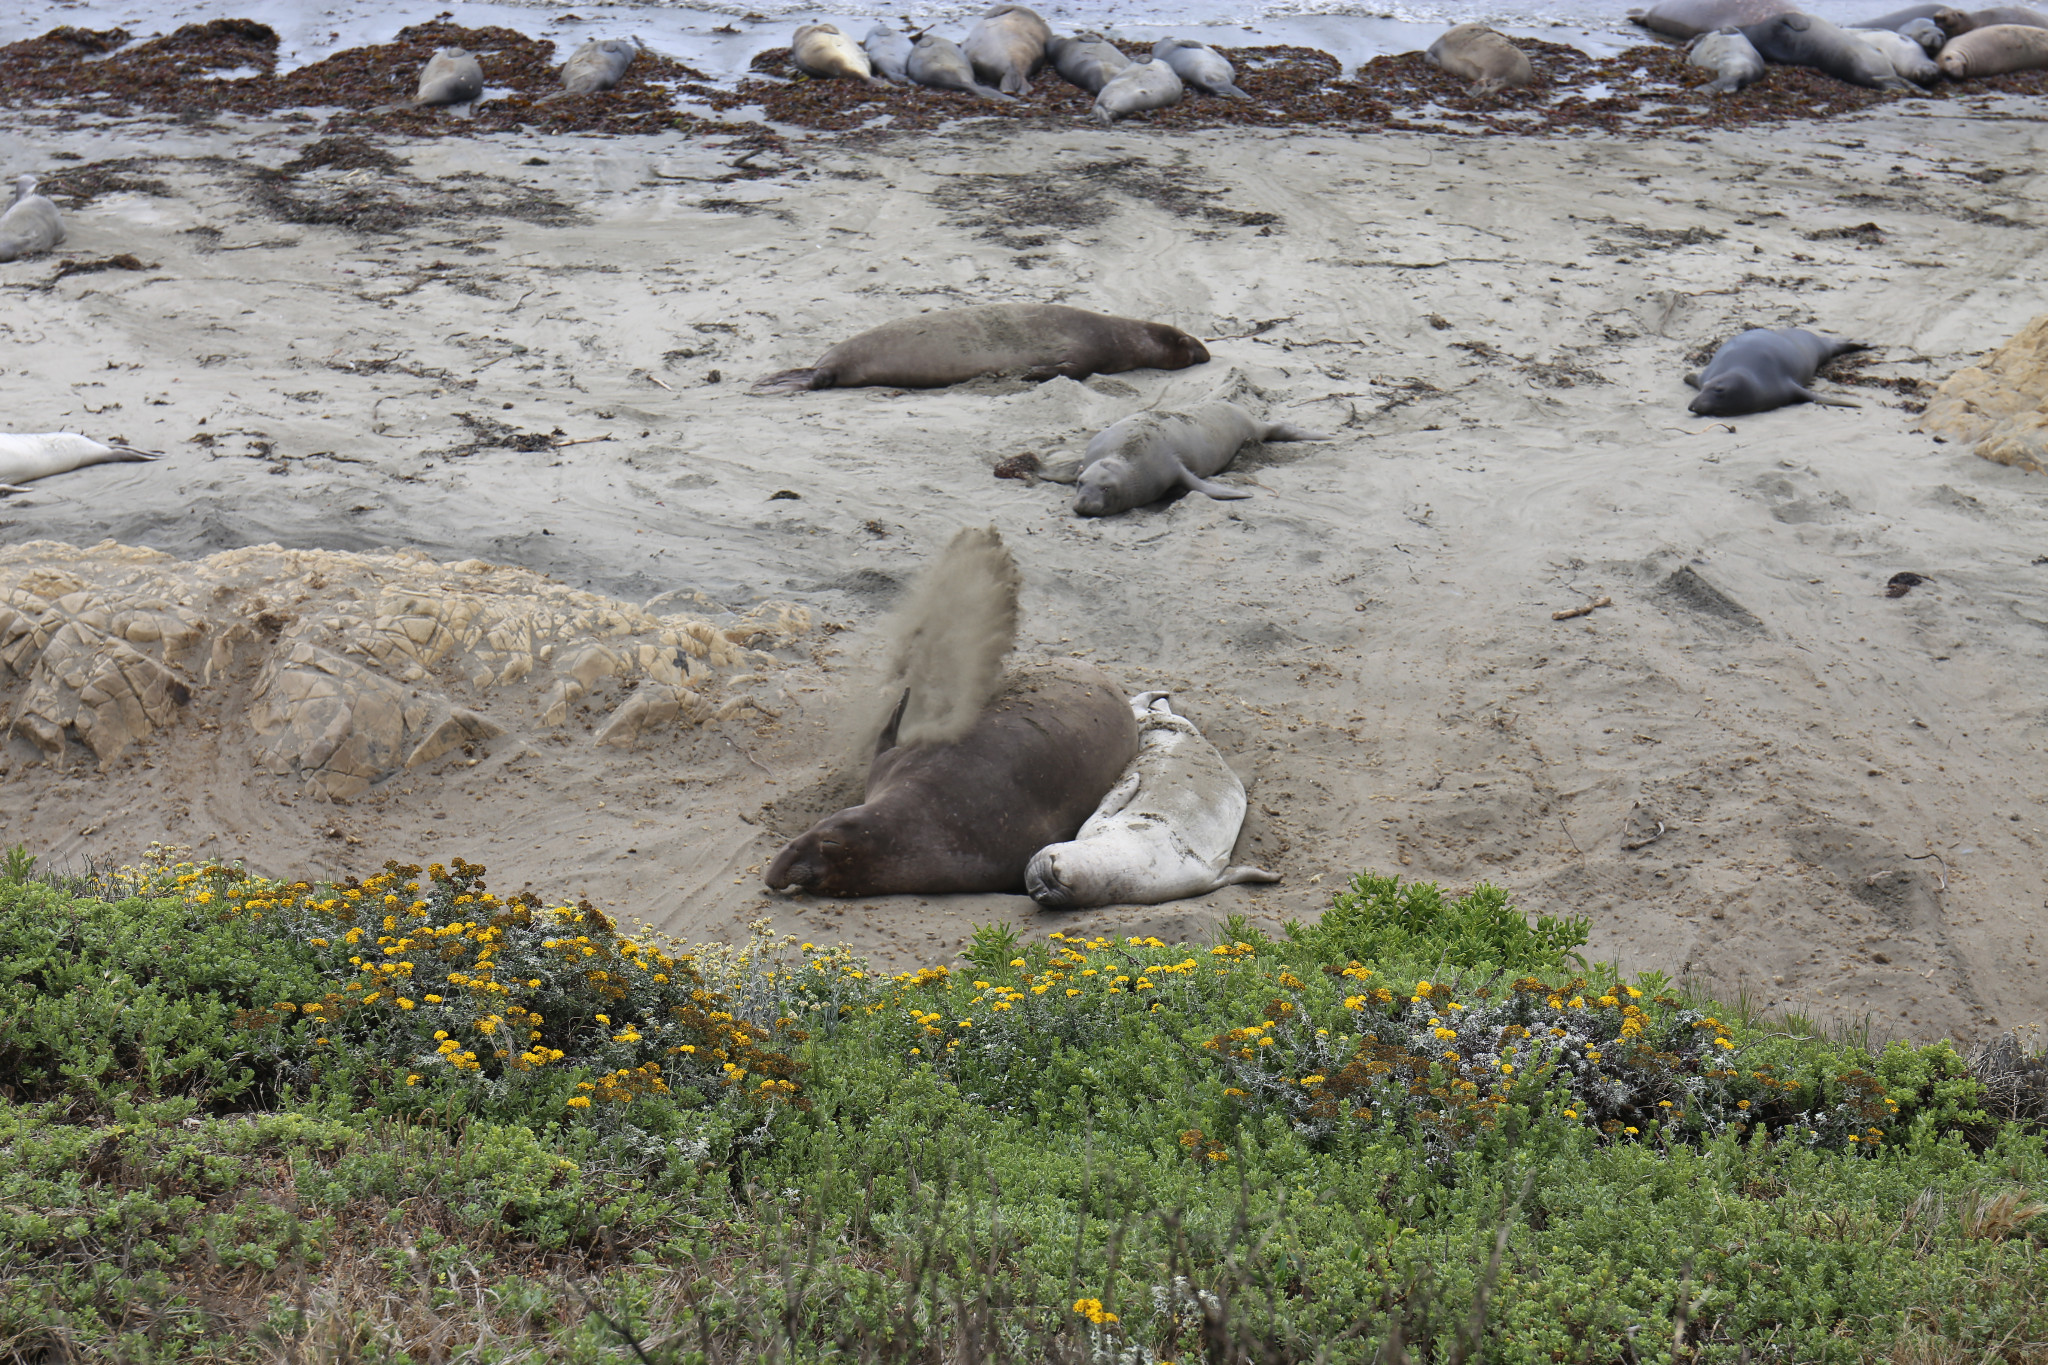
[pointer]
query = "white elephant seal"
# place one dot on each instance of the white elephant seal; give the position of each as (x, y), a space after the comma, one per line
(1732, 58)
(1199, 67)
(939, 63)
(821, 50)
(1927, 33)
(23, 458)
(1149, 454)
(31, 224)
(1483, 56)
(888, 52)
(598, 65)
(1141, 85)
(1007, 47)
(1164, 831)
(451, 77)
(1907, 57)
(1086, 61)
(1996, 50)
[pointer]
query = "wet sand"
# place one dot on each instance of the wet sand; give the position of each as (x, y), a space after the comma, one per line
(1736, 770)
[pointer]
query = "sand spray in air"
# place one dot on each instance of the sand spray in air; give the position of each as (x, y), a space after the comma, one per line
(946, 641)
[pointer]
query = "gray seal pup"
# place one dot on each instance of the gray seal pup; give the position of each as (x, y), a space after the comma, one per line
(1765, 368)
(1038, 340)
(821, 50)
(1142, 85)
(1802, 40)
(453, 76)
(598, 65)
(1996, 50)
(1483, 56)
(1732, 58)
(1925, 32)
(968, 815)
(1007, 47)
(1684, 19)
(1149, 454)
(1906, 56)
(888, 52)
(1086, 61)
(1199, 66)
(1164, 832)
(939, 63)
(27, 457)
(31, 224)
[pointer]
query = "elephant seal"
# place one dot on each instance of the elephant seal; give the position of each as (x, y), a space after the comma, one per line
(968, 815)
(1996, 50)
(31, 224)
(451, 77)
(1732, 58)
(821, 50)
(24, 458)
(1164, 831)
(598, 65)
(888, 52)
(1086, 61)
(1477, 53)
(1040, 340)
(1141, 85)
(2006, 14)
(939, 63)
(1006, 47)
(1925, 32)
(1765, 368)
(1684, 19)
(1949, 20)
(1907, 57)
(1802, 40)
(1199, 67)
(1149, 454)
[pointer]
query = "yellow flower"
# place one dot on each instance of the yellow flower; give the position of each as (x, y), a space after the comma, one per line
(1742, 1104)
(404, 1003)
(1630, 1130)
(604, 1019)
(1571, 1113)
(413, 1079)
(535, 983)
(579, 1101)
(431, 999)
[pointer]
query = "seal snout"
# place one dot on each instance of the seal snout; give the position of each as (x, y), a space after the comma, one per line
(1042, 880)
(795, 866)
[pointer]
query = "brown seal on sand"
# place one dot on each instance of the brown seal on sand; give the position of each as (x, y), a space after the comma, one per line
(968, 815)
(1995, 50)
(1483, 56)
(1765, 368)
(1040, 340)
(598, 65)
(1007, 47)
(822, 50)
(1690, 18)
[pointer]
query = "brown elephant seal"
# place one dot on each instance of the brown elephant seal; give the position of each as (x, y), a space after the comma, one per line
(1038, 340)
(1086, 61)
(821, 50)
(27, 457)
(968, 815)
(598, 65)
(1803, 40)
(1006, 47)
(1765, 368)
(1149, 454)
(1949, 20)
(1994, 51)
(1684, 19)
(1147, 84)
(453, 76)
(31, 224)
(1199, 66)
(940, 64)
(1483, 56)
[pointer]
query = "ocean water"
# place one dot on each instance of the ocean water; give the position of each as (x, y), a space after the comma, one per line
(690, 30)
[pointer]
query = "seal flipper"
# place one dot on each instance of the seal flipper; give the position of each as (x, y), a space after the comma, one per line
(886, 741)
(794, 381)
(1810, 396)
(1692, 381)
(1223, 492)
(1232, 876)
(1229, 92)
(1287, 431)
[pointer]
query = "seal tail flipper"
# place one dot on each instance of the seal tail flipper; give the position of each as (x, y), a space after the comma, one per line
(1232, 876)
(887, 739)
(1231, 92)
(1287, 431)
(1223, 492)
(793, 381)
(130, 453)
(6, 488)
(1810, 396)
(1692, 381)
(24, 186)
(1148, 701)
(988, 93)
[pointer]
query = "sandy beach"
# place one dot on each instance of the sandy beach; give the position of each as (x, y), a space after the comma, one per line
(1753, 768)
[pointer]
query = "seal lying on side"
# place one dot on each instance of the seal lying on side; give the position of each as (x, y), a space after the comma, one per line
(1732, 58)
(1907, 58)
(597, 65)
(1141, 85)
(1199, 67)
(1690, 18)
(1006, 47)
(822, 50)
(939, 63)
(2007, 14)
(23, 458)
(1925, 32)
(1165, 831)
(1086, 61)
(888, 52)
(451, 77)
(1996, 50)
(1149, 454)
(31, 224)
(1477, 53)
(1802, 40)
(1040, 340)
(1765, 368)
(968, 815)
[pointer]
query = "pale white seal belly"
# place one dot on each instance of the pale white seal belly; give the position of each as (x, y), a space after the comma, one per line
(1164, 831)
(23, 458)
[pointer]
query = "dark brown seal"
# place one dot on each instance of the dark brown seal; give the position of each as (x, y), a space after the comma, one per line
(1039, 340)
(967, 816)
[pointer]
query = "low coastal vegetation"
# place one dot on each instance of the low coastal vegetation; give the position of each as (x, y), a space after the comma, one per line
(404, 1118)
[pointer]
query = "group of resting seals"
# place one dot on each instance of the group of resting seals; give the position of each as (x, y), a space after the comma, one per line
(1912, 47)
(1006, 48)
(453, 78)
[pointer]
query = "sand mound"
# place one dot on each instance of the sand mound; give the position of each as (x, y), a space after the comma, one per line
(363, 664)
(2002, 404)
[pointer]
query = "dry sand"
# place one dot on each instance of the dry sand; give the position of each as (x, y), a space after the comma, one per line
(1738, 770)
